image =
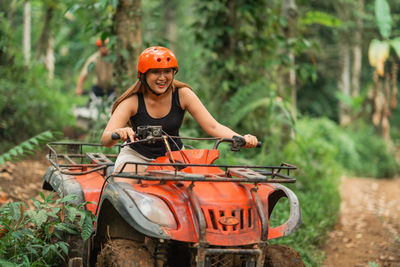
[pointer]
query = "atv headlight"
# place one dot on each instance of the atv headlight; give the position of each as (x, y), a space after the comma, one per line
(153, 208)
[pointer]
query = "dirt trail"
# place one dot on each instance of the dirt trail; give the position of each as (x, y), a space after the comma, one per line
(22, 180)
(368, 230)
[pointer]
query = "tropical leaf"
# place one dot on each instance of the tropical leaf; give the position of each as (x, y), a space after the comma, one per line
(64, 247)
(46, 250)
(38, 218)
(322, 18)
(396, 45)
(87, 228)
(71, 213)
(383, 17)
(5, 263)
(378, 53)
(242, 98)
(55, 249)
(26, 147)
(69, 198)
(353, 102)
(242, 112)
(65, 227)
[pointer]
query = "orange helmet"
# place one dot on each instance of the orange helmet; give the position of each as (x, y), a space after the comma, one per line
(99, 42)
(156, 57)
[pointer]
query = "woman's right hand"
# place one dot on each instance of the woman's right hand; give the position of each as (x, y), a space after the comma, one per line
(125, 133)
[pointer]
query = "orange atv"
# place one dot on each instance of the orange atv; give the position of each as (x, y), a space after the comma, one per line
(184, 210)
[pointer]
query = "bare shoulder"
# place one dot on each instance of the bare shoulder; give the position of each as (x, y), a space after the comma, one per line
(185, 91)
(129, 104)
(186, 96)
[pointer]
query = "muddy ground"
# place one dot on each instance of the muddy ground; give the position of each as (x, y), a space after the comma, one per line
(367, 233)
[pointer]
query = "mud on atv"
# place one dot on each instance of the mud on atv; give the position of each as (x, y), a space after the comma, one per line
(184, 210)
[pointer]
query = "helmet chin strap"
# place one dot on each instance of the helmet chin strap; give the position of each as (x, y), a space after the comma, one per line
(143, 80)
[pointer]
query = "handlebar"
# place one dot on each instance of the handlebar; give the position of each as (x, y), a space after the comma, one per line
(237, 142)
(115, 136)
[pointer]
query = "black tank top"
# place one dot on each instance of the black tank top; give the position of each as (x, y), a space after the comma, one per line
(169, 123)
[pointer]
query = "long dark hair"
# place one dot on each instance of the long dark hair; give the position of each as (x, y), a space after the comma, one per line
(139, 87)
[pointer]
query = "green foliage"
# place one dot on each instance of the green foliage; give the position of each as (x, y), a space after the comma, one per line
(219, 26)
(27, 147)
(375, 157)
(383, 17)
(35, 237)
(248, 99)
(355, 103)
(30, 104)
(395, 43)
(322, 18)
(357, 151)
(245, 52)
(313, 151)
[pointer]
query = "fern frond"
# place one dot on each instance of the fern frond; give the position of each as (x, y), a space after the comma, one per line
(246, 109)
(26, 147)
(247, 99)
(244, 94)
(87, 228)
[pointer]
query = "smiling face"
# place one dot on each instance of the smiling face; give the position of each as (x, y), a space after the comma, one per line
(159, 79)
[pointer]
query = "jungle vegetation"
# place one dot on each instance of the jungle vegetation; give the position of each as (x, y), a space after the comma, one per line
(316, 81)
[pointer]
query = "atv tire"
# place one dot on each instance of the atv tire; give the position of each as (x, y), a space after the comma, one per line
(282, 256)
(124, 253)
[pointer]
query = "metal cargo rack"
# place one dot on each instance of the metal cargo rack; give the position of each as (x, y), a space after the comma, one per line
(73, 160)
(70, 158)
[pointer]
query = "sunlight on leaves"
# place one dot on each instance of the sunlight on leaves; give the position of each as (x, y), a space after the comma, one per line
(378, 53)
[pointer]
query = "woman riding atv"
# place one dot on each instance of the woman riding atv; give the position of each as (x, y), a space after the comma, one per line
(157, 99)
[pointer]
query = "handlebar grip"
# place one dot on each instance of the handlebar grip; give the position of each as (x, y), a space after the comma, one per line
(259, 144)
(115, 136)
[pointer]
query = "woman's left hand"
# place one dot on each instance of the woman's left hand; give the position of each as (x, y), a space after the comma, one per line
(251, 141)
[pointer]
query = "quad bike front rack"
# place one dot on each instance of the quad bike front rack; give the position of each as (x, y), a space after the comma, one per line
(74, 161)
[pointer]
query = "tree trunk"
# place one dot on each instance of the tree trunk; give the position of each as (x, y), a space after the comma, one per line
(127, 25)
(344, 82)
(27, 33)
(43, 42)
(384, 98)
(11, 13)
(385, 124)
(344, 9)
(49, 59)
(6, 58)
(377, 100)
(357, 50)
(289, 11)
(393, 102)
(356, 70)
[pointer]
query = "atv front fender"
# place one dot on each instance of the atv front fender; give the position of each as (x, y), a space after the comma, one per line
(115, 194)
(294, 221)
(62, 184)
